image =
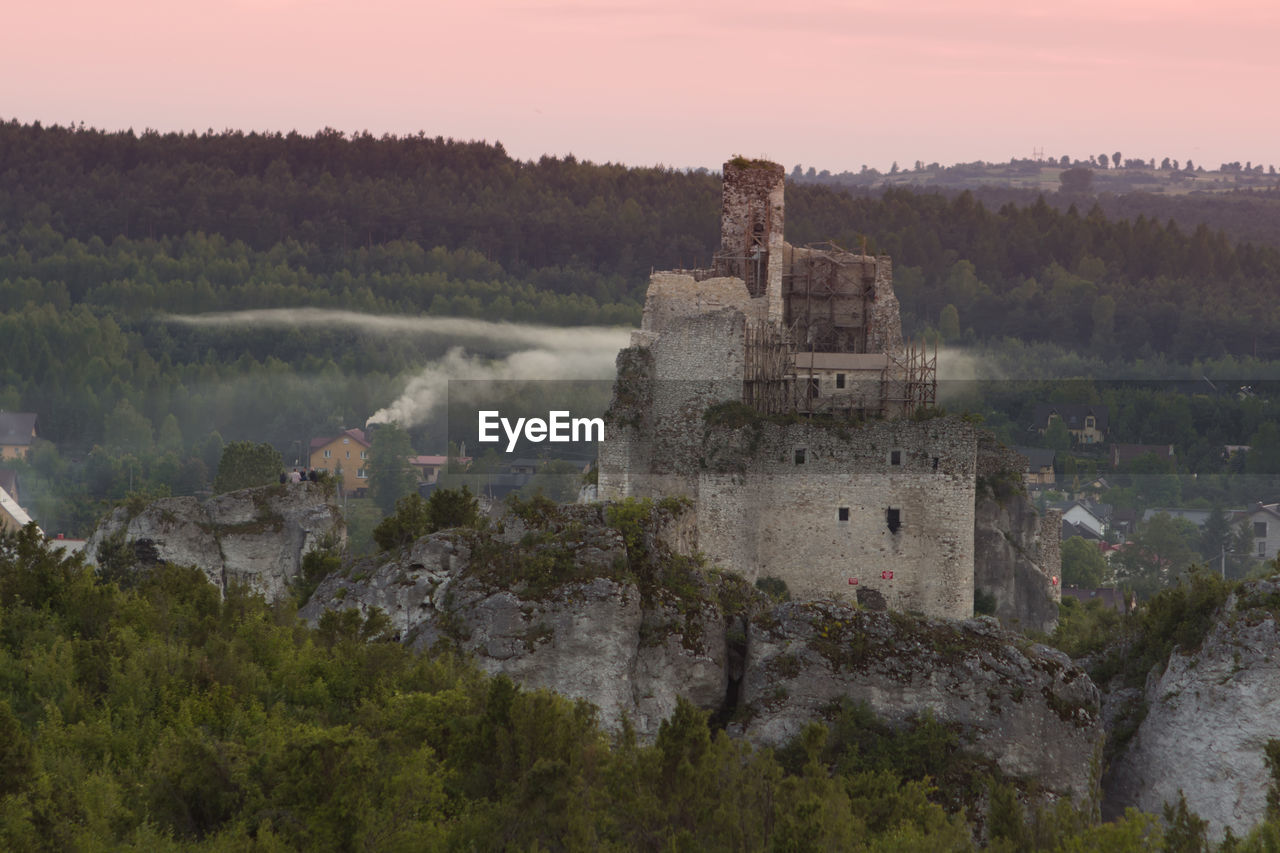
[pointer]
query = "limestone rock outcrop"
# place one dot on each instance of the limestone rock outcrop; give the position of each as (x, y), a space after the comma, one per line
(1208, 716)
(252, 536)
(619, 616)
(555, 607)
(1016, 560)
(1025, 706)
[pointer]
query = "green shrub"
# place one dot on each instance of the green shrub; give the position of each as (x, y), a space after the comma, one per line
(414, 517)
(775, 588)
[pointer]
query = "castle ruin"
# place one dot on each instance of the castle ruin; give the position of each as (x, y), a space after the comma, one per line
(776, 391)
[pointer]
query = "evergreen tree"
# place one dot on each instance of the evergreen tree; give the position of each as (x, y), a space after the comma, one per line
(245, 464)
(390, 475)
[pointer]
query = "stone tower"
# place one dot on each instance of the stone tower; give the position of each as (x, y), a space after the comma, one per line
(847, 494)
(751, 220)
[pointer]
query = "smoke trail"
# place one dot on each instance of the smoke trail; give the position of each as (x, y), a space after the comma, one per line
(523, 352)
(428, 390)
(462, 330)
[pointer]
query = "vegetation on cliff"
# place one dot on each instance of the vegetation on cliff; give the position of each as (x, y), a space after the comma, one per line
(163, 717)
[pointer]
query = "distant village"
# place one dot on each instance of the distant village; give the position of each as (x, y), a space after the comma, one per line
(349, 451)
(1084, 514)
(346, 455)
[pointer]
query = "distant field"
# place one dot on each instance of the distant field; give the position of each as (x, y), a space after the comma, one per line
(1045, 179)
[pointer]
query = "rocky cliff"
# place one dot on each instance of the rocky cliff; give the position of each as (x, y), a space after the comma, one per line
(603, 604)
(251, 536)
(1025, 706)
(1204, 719)
(1015, 558)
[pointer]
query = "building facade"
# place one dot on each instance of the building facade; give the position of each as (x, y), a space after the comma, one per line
(347, 454)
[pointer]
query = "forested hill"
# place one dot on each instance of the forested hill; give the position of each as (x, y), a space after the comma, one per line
(337, 192)
(308, 208)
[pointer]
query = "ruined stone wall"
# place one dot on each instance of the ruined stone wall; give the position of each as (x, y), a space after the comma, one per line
(753, 196)
(815, 523)
(672, 297)
(625, 442)
(821, 289)
(1050, 536)
(763, 513)
(995, 458)
(690, 360)
(881, 319)
(884, 325)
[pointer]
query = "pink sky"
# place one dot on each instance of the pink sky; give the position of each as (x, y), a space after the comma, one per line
(679, 82)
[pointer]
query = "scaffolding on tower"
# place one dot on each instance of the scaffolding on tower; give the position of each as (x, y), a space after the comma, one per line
(910, 382)
(767, 366)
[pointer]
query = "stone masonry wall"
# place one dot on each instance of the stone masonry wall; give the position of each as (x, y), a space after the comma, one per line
(995, 458)
(754, 193)
(883, 321)
(693, 360)
(1051, 549)
(675, 296)
(763, 513)
(884, 326)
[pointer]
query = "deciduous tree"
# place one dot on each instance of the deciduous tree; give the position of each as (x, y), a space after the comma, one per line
(1082, 564)
(245, 464)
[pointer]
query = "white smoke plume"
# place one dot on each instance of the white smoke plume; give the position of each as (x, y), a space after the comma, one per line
(515, 351)
(460, 330)
(429, 389)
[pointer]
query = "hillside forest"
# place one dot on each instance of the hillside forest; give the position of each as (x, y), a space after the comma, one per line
(110, 241)
(144, 711)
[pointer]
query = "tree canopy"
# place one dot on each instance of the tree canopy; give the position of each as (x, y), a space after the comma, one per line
(245, 464)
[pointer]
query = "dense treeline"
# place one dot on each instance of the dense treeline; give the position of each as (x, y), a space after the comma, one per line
(1245, 215)
(1084, 282)
(336, 192)
(1074, 278)
(197, 273)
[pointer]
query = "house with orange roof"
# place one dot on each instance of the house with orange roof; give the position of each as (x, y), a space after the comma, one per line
(346, 453)
(429, 467)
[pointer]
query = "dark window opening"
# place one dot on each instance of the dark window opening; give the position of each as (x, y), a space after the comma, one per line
(844, 513)
(800, 456)
(815, 387)
(870, 599)
(935, 463)
(895, 457)
(894, 517)
(839, 380)
(1260, 529)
